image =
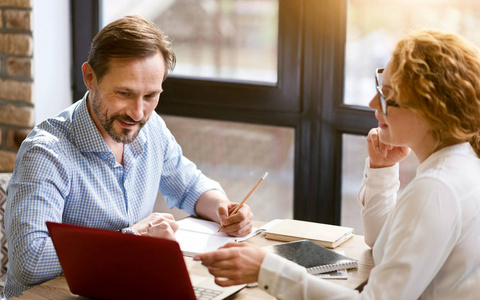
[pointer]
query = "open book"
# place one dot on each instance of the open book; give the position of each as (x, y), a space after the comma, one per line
(315, 258)
(326, 235)
(200, 236)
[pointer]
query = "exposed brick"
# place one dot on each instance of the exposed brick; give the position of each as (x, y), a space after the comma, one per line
(17, 19)
(18, 3)
(16, 90)
(19, 67)
(17, 115)
(15, 137)
(7, 161)
(16, 43)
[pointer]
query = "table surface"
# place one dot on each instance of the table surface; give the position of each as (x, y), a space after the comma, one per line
(57, 288)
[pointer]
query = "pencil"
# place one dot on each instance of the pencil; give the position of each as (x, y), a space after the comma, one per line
(246, 197)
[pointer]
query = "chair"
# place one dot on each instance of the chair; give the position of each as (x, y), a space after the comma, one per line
(4, 178)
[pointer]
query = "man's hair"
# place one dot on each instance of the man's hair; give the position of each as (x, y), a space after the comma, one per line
(131, 36)
(437, 75)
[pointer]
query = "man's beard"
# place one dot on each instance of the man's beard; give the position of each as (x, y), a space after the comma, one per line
(107, 122)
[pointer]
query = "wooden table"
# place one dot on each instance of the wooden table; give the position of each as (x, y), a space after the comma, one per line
(57, 288)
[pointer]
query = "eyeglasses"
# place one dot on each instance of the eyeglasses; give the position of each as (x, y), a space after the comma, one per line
(381, 97)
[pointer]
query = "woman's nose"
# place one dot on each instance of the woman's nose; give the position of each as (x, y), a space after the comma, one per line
(374, 103)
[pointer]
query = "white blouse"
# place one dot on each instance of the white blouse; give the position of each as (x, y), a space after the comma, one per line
(425, 245)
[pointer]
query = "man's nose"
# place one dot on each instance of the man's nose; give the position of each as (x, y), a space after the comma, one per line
(135, 110)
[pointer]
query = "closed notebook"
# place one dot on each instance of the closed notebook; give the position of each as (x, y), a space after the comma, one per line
(326, 235)
(315, 258)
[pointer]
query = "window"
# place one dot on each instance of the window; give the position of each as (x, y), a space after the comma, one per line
(307, 99)
(373, 29)
(229, 40)
(220, 41)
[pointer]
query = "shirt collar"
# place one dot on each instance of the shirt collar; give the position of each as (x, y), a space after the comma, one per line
(86, 134)
(462, 149)
(88, 138)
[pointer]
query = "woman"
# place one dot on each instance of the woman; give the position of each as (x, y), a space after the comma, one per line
(425, 244)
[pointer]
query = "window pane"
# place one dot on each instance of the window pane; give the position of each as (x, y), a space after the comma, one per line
(354, 154)
(375, 26)
(237, 155)
(224, 39)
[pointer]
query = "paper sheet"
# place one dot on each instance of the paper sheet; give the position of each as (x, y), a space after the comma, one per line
(200, 236)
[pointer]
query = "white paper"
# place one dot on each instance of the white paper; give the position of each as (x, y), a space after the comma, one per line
(200, 236)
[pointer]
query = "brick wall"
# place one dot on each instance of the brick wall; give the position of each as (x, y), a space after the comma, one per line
(16, 78)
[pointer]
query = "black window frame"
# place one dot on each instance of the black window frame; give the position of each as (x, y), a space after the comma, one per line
(308, 96)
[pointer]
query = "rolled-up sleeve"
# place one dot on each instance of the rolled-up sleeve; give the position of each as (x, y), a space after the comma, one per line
(182, 183)
(35, 195)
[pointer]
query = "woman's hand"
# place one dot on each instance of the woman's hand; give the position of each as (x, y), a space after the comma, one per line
(234, 263)
(383, 155)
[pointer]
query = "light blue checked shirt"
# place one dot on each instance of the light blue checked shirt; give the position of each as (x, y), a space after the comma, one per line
(65, 172)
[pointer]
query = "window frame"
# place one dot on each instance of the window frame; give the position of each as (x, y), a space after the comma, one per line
(308, 96)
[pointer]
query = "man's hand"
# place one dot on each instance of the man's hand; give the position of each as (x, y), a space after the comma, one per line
(214, 205)
(234, 263)
(239, 224)
(157, 225)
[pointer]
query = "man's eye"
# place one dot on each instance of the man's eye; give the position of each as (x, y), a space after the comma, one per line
(151, 97)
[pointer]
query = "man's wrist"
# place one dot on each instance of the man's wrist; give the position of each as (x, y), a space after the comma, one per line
(129, 230)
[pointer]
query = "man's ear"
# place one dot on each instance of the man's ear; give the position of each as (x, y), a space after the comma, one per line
(89, 77)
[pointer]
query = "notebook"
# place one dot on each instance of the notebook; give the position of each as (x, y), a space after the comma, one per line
(107, 264)
(329, 236)
(315, 258)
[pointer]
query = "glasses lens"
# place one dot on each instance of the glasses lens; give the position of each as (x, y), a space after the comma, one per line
(381, 97)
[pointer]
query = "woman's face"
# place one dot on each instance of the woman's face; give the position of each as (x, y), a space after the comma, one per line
(401, 126)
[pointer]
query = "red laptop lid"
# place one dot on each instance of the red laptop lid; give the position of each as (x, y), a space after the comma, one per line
(107, 264)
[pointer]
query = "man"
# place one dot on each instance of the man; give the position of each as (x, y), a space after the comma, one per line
(102, 161)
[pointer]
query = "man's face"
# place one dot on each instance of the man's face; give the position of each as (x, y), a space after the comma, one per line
(124, 99)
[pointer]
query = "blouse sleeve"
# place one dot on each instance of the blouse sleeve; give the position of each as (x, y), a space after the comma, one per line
(287, 280)
(377, 197)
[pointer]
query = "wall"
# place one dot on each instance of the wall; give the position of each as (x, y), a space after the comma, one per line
(35, 45)
(16, 78)
(52, 57)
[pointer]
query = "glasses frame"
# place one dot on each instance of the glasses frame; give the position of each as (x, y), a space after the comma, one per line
(384, 103)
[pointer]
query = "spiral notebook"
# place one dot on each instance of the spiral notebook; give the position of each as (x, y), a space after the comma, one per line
(315, 258)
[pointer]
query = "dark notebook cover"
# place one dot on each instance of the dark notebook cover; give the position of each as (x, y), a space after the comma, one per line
(315, 258)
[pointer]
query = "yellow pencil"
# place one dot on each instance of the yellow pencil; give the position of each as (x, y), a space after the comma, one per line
(248, 195)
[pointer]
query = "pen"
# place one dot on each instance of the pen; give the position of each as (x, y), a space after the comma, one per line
(248, 195)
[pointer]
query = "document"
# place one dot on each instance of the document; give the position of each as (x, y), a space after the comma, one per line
(200, 236)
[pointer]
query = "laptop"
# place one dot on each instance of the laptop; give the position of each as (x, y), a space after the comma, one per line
(105, 264)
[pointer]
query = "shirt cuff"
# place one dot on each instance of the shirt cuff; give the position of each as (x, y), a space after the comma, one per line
(270, 271)
(378, 179)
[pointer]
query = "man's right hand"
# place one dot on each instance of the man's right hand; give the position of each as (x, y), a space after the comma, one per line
(159, 225)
